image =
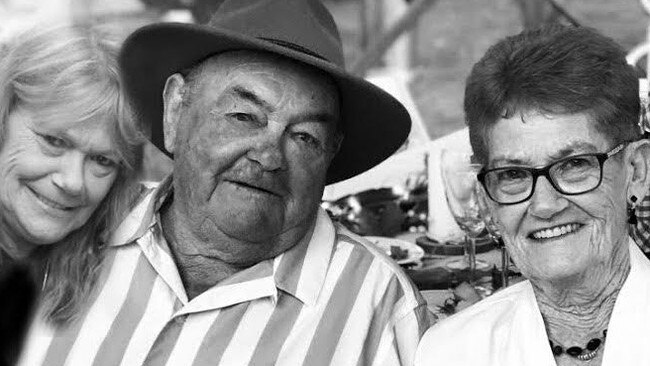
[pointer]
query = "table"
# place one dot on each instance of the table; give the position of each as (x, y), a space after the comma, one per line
(433, 274)
(438, 283)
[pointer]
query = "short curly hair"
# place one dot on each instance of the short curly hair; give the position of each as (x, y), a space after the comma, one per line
(554, 69)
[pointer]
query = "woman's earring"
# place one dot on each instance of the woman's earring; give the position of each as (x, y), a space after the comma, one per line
(498, 242)
(631, 211)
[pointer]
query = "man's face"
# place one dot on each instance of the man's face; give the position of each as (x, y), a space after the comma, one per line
(253, 141)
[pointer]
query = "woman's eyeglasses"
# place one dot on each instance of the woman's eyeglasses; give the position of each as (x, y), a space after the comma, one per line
(572, 175)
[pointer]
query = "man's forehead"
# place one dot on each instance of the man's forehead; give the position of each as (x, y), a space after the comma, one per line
(269, 75)
(233, 63)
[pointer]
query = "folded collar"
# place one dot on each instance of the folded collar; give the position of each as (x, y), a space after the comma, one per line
(300, 271)
(143, 216)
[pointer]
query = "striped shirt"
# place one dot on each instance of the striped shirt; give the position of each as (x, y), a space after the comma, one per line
(335, 300)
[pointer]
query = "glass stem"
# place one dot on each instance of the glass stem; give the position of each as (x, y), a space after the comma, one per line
(470, 248)
(504, 266)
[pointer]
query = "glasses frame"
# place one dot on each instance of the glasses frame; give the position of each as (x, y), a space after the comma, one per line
(546, 172)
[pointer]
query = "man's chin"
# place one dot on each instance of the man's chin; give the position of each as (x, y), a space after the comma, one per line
(253, 229)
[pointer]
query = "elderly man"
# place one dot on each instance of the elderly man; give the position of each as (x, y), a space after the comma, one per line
(231, 261)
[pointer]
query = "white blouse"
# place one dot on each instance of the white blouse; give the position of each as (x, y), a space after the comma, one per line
(507, 328)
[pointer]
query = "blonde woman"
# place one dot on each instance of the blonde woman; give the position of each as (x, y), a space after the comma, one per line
(69, 154)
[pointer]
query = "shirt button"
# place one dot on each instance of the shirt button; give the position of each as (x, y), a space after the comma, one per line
(180, 320)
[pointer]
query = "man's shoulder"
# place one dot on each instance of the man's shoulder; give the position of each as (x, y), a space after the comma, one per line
(142, 214)
(387, 271)
(345, 237)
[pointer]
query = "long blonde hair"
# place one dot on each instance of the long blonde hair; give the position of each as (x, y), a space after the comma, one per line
(62, 69)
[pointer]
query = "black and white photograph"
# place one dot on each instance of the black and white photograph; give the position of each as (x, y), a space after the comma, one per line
(324, 182)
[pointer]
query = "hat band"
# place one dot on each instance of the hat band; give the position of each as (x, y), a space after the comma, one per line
(294, 47)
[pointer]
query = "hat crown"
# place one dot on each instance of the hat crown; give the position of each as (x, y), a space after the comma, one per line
(302, 25)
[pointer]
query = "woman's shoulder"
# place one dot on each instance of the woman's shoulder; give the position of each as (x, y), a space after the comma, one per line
(474, 325)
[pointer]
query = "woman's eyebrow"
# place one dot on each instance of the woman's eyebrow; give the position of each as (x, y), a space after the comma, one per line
(106, 150)
(506, 160)
(577, 147)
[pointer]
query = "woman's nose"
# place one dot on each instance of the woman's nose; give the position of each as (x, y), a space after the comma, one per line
(546, 200)
(69, 176)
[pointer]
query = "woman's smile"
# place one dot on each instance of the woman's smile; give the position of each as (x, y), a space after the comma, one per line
(52, 204)
(555, 232)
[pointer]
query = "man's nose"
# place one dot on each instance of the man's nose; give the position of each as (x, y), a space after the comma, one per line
(69, 177)
(269, 149)
(546, 200)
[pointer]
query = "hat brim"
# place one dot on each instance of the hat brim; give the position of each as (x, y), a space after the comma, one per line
(375, 124)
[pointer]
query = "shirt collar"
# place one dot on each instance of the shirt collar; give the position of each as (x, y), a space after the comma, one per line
(627, 333)
(300, 271)
(638, 261)
(143, 216)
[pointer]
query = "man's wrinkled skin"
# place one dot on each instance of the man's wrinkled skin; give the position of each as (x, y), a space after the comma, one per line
(252, 137)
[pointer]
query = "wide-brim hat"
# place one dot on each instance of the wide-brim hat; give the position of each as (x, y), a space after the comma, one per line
(374, 123)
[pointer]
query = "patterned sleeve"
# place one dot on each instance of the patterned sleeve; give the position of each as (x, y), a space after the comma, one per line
(641, 231)
(410, 320)
(408, 332)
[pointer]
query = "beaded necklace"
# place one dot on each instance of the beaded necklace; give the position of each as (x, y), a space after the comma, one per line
(586, 354)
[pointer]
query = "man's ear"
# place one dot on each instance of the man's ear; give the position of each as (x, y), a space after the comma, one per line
(173, 103)
(639, 159)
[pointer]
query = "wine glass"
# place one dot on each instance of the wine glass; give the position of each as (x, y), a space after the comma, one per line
(493, 231)
(459, 180)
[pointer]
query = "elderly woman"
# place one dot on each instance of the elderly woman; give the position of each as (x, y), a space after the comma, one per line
(553, 115)
(69, 153)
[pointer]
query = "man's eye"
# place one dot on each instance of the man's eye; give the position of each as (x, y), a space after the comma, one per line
(54, 141)
(243, 117)
(307, 139)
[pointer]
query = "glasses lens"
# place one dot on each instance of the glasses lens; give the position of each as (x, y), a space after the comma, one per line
(576, 174)
(508, 185)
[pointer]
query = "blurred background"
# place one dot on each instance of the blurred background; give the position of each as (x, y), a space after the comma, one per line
(421, 52)
(418, 50)
(444, 37)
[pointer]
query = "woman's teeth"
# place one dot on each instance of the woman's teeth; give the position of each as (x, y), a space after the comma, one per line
(554, 232)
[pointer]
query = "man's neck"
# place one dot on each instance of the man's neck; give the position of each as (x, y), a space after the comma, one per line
(203, 260)
(197, 271)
